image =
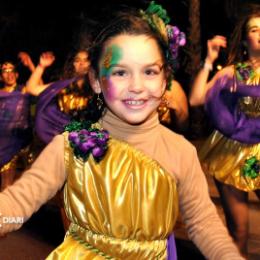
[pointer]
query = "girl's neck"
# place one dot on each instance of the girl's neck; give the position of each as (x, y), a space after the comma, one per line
(9, 88)
(120, 129)
(80, 82)
(255, 63)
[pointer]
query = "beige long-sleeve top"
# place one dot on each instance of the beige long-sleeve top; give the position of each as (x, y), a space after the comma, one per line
(47, 175)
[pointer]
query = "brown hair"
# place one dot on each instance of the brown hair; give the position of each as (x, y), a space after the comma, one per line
(131, 22)
(126, 22)
(237, 48)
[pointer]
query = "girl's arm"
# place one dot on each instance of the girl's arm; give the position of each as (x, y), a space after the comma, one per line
(33, 85)
(35, 187)
(201, 85)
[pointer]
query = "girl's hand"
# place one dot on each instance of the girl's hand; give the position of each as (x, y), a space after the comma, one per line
(214, 46)
(46, 59)
(26, 60)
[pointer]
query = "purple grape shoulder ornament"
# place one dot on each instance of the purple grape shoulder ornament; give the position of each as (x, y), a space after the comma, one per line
(86, 138)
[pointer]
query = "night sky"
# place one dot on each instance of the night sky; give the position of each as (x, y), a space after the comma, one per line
(36, 31)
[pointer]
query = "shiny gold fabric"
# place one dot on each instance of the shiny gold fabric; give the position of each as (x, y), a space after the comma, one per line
(223, 158)
(251, 105)
(12, 165)
(69, 102)
(123, 207)
(255, 79)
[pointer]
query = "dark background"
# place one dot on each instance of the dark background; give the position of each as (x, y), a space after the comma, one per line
(54, 25)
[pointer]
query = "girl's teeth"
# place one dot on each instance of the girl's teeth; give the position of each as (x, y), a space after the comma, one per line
(134, 102)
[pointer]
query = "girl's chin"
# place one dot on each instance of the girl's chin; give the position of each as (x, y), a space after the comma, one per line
(135, 119)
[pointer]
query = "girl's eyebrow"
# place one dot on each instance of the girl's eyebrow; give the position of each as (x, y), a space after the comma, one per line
(252, 27)
(156, 63)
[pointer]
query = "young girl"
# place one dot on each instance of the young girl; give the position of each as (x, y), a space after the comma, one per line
(63, 99)
(231, 154)
(15, 119)
(125, 176)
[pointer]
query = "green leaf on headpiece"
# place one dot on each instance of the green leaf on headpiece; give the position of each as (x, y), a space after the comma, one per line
(157, 18)
(159, 11)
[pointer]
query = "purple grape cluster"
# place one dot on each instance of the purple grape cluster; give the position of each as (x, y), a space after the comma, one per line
(92, 141)
(176, 39)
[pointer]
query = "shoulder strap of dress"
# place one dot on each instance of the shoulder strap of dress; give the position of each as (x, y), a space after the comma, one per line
(66, 150)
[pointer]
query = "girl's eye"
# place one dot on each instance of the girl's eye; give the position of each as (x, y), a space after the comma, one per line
(119, 73)
(151, 72)
(254, 30)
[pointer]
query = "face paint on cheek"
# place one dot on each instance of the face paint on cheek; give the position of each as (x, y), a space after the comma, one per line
(112, 56)
(109, 89)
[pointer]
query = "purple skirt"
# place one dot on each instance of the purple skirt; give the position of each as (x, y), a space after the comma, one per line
(171, 248)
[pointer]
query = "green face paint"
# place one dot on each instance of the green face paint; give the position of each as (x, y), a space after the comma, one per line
(112, 55)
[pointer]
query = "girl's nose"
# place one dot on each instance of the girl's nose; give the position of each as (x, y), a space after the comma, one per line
(136, 84)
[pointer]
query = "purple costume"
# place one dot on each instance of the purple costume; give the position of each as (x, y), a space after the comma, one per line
(15, 128)
(50, 121)
(233, 106)
(222, 106)
(171, 248)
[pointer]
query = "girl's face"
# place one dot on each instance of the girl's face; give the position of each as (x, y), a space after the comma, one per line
(132, 78)
(81, 63)
(9, 74)
(253, 35)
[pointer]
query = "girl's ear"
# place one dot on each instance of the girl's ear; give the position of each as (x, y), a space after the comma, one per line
(94, 81)
(164, 86)
(245, 45)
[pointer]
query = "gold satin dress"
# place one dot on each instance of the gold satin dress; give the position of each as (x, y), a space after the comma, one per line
(71, 101)
(123, 207)
(224, 158)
